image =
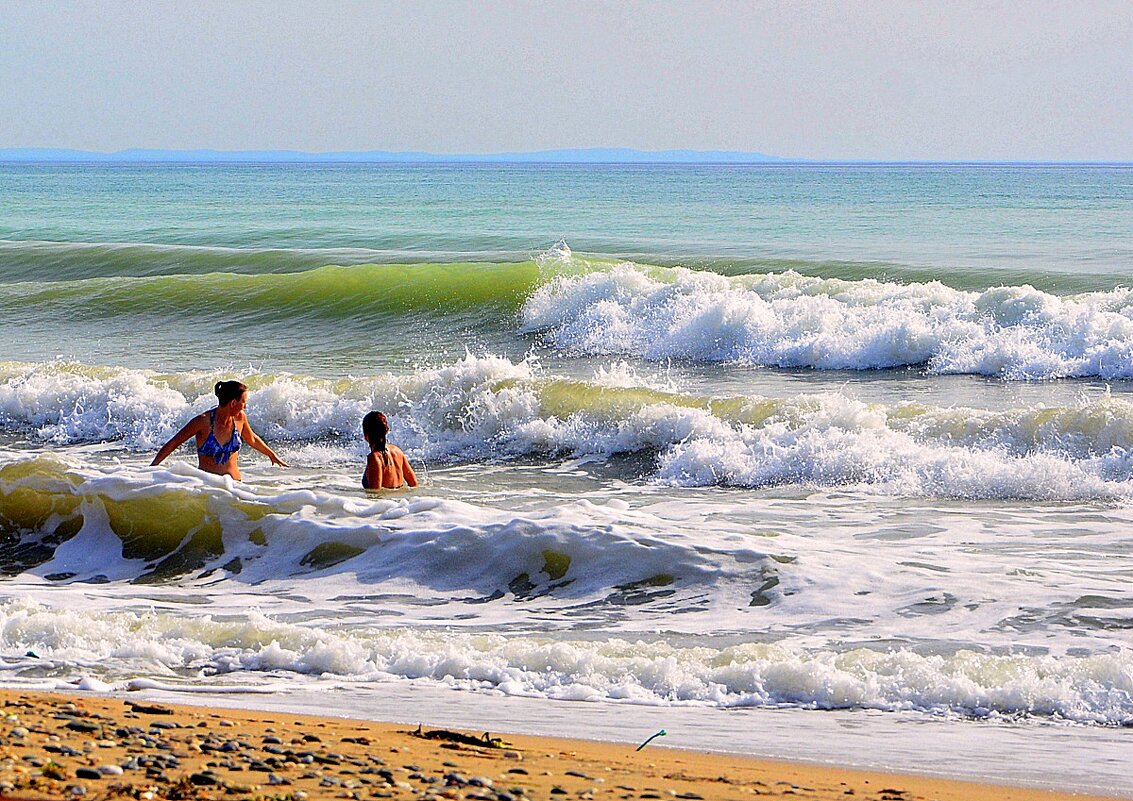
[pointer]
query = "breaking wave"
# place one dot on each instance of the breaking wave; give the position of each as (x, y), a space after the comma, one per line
(790, 320)
(1094, 689)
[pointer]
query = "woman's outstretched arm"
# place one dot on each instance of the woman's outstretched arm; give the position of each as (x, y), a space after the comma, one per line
(258, 444)
(190, 429)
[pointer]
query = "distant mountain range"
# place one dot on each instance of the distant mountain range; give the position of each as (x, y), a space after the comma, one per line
(583, 156)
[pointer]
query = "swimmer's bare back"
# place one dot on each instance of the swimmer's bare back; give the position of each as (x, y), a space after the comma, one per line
(391, 472)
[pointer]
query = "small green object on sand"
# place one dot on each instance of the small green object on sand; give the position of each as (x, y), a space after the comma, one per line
(661, 733)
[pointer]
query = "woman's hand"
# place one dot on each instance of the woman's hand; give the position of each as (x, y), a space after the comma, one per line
(277, 461)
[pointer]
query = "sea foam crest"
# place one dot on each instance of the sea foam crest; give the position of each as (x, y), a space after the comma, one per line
(789, 320)
(1086, 689)
(1079, 452)
(447, 411)
(66, 402)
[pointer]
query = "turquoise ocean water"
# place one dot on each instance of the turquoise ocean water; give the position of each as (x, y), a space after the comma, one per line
(839, 454)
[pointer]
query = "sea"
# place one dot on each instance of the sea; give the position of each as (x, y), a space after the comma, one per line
(813, 461)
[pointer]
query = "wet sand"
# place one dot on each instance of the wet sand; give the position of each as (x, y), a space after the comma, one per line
(77, 746)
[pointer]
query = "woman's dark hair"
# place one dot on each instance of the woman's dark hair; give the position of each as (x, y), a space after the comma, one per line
(375, 427)
(228, 391)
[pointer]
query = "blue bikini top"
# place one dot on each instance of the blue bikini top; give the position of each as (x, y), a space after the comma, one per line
(213, 449)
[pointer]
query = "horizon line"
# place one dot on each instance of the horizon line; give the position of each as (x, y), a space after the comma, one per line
(580, 156)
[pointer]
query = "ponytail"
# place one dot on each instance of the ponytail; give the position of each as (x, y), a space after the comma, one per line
(228, 391)
(375, 427)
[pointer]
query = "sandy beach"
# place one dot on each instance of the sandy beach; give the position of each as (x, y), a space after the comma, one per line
(94, 747)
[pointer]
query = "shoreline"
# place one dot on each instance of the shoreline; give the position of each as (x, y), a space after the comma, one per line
(74, 745)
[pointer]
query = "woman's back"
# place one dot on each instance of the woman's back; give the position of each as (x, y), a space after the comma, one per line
(388, 470)
(386, 466)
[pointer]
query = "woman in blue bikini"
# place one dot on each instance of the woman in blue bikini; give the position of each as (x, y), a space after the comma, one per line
(220, 432)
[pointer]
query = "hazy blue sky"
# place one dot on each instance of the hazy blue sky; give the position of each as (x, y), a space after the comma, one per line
(852, 80)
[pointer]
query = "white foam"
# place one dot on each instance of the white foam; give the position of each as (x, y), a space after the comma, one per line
(68, 402)
(789, 320)
(831, 440)
(131, 647)
(622, 374)
(65, 402)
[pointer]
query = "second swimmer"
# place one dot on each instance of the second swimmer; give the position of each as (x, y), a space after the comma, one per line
(386, 466)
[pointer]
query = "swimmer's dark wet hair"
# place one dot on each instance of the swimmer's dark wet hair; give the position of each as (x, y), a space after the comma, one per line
(375, 426)
(228, 391)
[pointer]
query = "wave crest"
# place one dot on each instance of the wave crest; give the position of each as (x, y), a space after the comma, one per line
(1088, 689)
(790, 320)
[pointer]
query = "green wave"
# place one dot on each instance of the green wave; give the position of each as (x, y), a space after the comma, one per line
(563, 398)
(329, 292)
(38, 261)
(43, 503)
(72, 261)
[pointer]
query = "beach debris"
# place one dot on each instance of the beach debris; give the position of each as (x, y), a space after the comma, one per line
(485, 740)
(651, 738)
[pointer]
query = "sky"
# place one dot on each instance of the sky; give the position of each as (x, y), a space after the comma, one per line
(1042, 80)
